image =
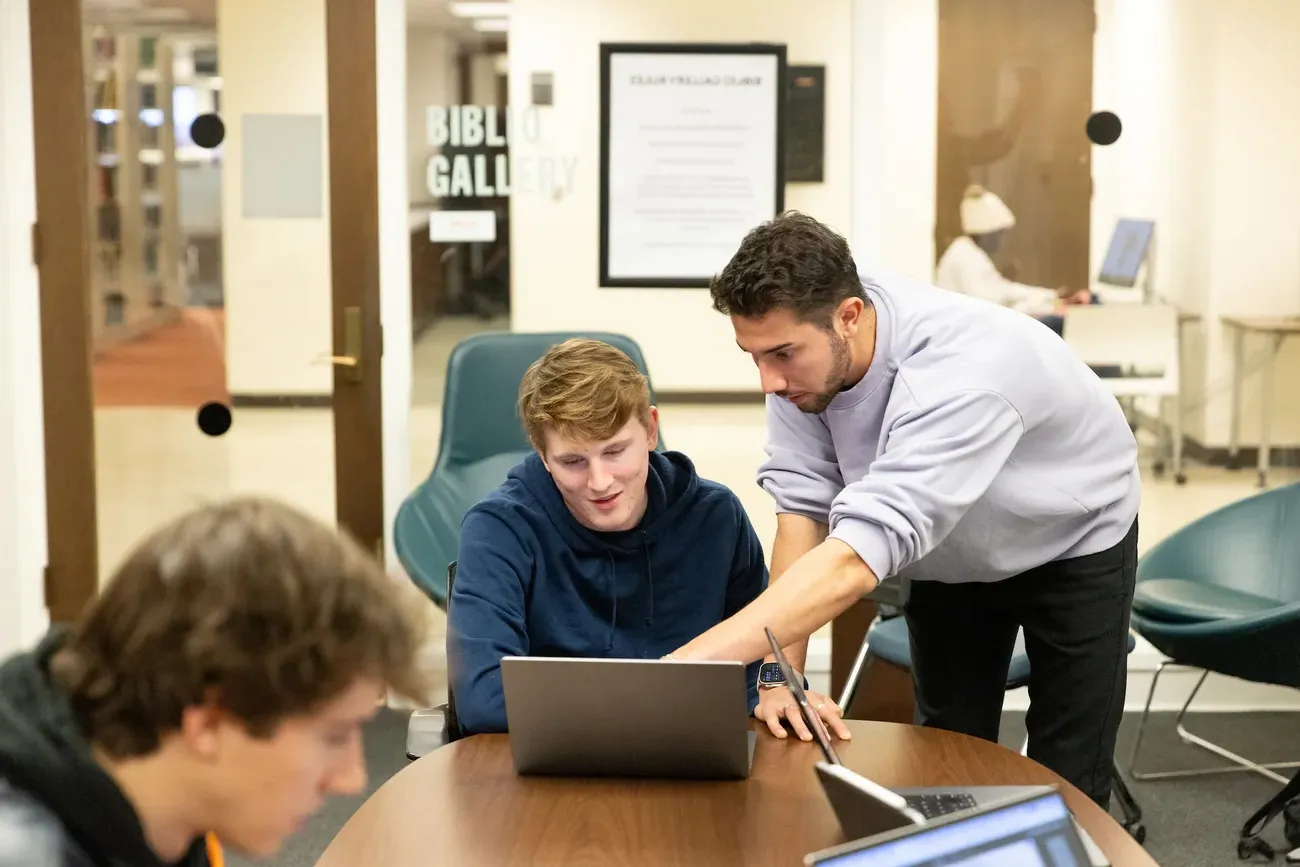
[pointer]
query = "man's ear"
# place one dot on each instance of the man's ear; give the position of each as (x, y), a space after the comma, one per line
(652, 430)
(201, 726)
(848, 316)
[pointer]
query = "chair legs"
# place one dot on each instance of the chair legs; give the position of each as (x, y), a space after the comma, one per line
(850, 690)
(1239, 763)
(1128, 805)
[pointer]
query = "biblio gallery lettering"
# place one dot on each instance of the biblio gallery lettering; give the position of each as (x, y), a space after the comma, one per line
(469, 135)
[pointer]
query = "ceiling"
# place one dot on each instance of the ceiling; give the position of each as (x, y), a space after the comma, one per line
(202, 14)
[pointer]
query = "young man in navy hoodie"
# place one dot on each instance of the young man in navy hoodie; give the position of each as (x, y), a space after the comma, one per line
(596, 545)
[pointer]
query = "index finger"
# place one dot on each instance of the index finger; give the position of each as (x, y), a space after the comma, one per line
(836, 724)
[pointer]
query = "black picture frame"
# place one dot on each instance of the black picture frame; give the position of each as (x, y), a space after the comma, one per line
(779, 96)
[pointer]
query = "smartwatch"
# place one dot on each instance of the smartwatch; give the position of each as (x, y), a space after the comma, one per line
(770, 676)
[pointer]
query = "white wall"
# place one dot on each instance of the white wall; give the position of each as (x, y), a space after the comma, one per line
(276, 272)
(555, 240)
(1255, 200)
(432, 79)
(22, 458)
(1207, 94)
(393, 102)
(895, 97)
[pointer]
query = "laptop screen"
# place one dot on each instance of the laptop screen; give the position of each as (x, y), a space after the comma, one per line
(1034, 833)
(1126, 253)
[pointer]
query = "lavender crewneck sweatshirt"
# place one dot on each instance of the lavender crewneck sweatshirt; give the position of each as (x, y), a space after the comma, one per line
(977, 446)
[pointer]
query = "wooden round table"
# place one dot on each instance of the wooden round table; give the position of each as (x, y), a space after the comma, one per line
(464, 805)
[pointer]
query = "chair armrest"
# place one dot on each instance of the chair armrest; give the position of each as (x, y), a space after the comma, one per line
(426, 730)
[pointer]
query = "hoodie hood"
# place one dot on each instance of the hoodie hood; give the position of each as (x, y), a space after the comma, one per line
(44, 753)
(671, 484)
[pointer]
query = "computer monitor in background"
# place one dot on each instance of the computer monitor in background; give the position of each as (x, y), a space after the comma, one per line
(1030, 832)
(1129, 249)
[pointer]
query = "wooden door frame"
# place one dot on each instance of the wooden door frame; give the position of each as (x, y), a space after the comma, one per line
(61, 239)
(62, 243)
(352, 82)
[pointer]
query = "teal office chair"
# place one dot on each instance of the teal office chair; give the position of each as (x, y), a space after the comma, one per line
(888, 639)
(1223, 595)
(482, 439)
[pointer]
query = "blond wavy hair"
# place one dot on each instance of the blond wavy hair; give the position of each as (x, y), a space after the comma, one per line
(582, 389)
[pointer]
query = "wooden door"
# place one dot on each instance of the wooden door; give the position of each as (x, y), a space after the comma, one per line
(65, 245)
(354, 228)
(1015, 90)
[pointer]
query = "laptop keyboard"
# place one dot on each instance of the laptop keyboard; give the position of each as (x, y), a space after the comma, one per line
(932, 806)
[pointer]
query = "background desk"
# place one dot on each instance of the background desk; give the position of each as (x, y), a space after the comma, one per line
(1277, 329)
(463, 805)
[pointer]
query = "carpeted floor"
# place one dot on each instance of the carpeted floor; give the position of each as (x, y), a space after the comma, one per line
(177, 365)
(1190, 823)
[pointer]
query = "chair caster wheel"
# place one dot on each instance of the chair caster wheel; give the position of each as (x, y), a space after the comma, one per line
(1137, 831)
(1158, 468)
(1180, 479)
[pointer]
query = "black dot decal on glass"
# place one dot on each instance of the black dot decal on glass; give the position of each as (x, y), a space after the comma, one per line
(214, 419)
(207, 131)
(1104, 127)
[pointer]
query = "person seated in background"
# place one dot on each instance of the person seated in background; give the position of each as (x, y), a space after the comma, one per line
(212, 695)
(596, 545)
(967, 265)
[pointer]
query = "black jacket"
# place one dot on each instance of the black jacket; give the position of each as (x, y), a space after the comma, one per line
(58, 808)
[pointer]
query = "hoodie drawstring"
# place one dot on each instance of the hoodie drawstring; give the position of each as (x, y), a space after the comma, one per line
(613, 591)
(613, 596)
(650, 575)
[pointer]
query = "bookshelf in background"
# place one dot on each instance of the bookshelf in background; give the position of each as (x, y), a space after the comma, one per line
(137, 283)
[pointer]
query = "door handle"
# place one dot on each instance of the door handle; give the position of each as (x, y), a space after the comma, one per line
(350, 360)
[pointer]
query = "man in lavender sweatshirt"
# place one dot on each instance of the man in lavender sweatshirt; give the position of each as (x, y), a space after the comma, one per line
(959, 445)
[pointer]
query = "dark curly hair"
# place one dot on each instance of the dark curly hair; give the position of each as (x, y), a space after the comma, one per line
(792, 262)
(267, 607)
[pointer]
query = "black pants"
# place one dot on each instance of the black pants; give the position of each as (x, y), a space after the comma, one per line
(1075, 615)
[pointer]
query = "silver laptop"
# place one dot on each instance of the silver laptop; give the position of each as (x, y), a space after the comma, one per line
(628, 717)
(1033, 830)
(865, 808)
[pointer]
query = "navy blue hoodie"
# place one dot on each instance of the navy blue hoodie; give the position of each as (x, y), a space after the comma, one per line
(532, 581)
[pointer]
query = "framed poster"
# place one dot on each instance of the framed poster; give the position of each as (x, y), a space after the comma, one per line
(692, 156)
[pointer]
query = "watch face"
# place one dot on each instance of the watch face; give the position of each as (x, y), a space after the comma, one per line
(770, 672)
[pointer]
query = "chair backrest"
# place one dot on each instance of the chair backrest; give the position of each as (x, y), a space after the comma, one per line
(1252, 545)
(482, 439)
(479, 415)
(1142, 336)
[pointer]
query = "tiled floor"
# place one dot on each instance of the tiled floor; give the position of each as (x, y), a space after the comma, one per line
(153, 462)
